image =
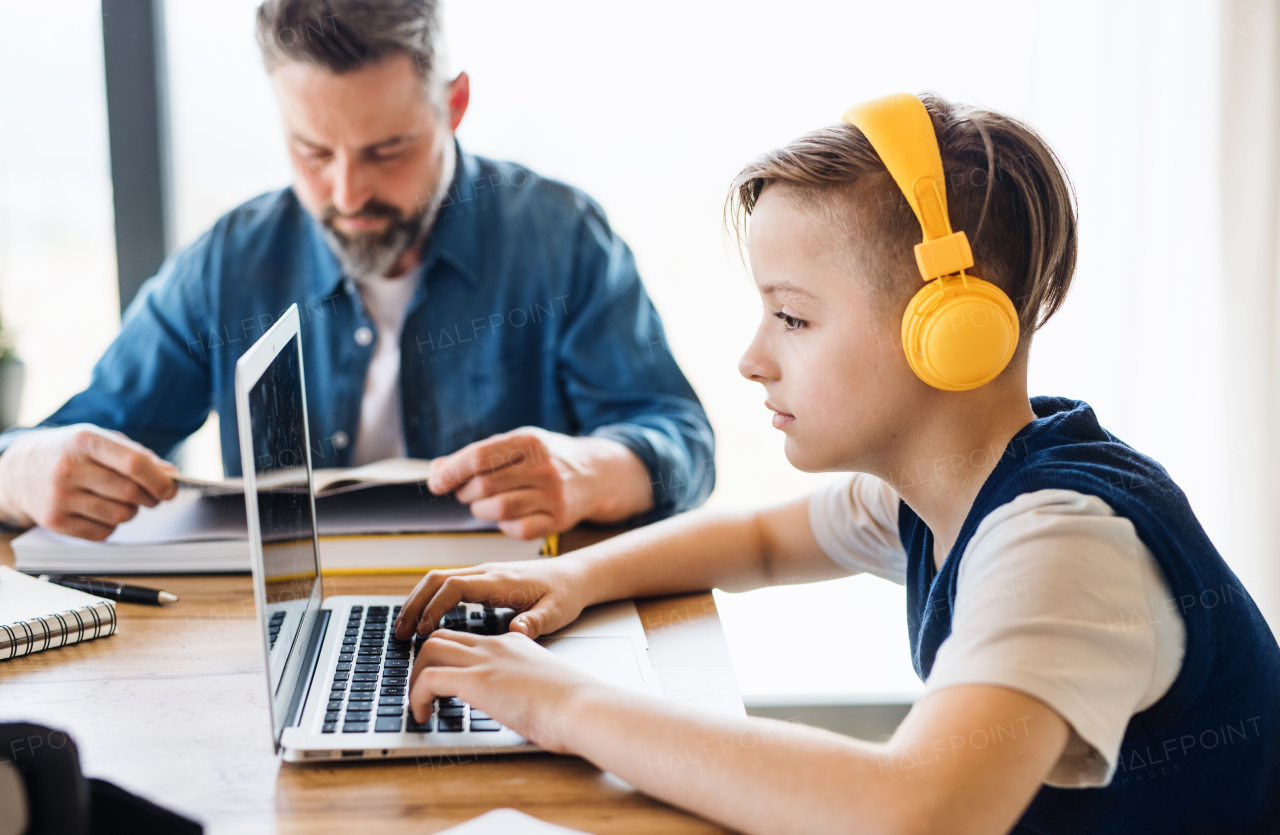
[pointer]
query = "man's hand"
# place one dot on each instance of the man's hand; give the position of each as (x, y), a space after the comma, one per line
(549, 594)
(80, 480)
(517, 682)
(533, 482)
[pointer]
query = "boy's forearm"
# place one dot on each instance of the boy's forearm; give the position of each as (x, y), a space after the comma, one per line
(702, 549)
(943, 770)
(691, 552)
(755, 775)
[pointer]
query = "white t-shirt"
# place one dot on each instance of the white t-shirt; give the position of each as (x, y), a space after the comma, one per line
(1056, 596)
(381, 432)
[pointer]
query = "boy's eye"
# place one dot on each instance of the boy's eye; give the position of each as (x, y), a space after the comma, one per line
(791, 322)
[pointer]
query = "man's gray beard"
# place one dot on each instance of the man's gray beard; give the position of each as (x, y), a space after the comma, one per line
(368, 254)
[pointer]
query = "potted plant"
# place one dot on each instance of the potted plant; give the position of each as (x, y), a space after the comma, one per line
(11, 376)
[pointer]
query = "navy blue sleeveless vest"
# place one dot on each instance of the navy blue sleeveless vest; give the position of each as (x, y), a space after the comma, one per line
(1205, 758)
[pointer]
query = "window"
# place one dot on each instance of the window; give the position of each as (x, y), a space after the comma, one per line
(57, 252)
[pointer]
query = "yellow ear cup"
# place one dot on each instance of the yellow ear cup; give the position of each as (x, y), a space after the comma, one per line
(959, 332)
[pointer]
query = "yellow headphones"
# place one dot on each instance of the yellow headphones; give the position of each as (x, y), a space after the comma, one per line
(958, 332)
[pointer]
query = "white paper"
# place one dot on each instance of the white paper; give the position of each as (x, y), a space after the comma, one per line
(325, 479)
(25, 598)
(508, 822)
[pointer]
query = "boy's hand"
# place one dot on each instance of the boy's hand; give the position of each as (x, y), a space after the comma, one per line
(549, 594)
(522, 685)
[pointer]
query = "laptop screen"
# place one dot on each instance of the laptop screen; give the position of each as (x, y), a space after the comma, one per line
(285, 510)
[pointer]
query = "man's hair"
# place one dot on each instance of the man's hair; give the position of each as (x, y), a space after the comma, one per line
(346, 35)
(1005, 188)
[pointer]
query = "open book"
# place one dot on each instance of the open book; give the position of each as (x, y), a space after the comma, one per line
(327, 481)
(375, 518)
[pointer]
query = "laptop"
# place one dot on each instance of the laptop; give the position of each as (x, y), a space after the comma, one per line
(337, 678)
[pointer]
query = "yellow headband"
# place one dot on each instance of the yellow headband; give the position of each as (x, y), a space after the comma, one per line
(899, 128)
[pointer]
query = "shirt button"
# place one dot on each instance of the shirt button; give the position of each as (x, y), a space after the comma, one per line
(340, 439)
(364, 336)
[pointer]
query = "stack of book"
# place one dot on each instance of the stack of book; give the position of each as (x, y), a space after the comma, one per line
(378, 518)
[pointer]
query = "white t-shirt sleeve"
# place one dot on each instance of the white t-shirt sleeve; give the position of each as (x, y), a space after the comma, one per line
(855, 521)
(1057, 597)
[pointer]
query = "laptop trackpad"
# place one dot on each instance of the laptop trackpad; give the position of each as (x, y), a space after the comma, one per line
(612, 660)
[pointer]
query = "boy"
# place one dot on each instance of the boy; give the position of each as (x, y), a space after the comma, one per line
(1078, 676)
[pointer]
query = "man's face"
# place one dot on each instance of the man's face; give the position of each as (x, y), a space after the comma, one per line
(833, 371)
(372, 155)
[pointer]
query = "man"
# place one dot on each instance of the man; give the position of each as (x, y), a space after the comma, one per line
(453, 308)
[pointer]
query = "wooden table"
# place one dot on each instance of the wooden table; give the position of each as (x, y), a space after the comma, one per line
(173, 708)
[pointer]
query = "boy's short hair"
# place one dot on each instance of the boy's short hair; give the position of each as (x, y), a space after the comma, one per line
(347, 35)
(1005, 188)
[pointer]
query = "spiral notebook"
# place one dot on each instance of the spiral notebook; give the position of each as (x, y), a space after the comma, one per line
(35, 615)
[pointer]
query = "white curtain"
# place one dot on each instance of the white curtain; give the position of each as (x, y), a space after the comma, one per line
(1166, 117)
(1249, 117)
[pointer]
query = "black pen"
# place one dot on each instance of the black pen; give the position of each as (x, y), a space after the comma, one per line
(112, 590)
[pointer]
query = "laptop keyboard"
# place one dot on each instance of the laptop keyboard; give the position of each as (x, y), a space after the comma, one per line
(273, 628)
(370, 685)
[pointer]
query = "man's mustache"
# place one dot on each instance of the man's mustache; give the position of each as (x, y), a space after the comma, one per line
(372, 209)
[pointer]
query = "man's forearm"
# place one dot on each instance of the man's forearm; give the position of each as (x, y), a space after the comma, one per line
(622, 481)
(678, 452)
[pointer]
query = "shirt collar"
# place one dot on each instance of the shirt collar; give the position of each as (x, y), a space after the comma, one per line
(452, 239)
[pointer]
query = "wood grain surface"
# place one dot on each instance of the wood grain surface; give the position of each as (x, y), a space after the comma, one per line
(174, 708)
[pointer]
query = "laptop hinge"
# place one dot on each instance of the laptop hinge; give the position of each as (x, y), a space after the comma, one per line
(309, 661)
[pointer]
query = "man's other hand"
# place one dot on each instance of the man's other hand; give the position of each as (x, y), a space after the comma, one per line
(80, 480)
(533, 482)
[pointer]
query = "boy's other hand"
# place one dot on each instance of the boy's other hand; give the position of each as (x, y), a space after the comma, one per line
(549, 594)
(522, 685)
(533, 482)
(80, 480)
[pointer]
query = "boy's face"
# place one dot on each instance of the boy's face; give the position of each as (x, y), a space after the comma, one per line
(833, 371)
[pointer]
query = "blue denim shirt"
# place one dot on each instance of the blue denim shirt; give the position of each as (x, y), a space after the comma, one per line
(529, 311)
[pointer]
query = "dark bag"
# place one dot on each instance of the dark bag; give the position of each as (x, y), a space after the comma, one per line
(42, 792)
